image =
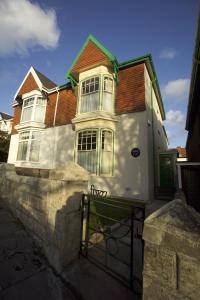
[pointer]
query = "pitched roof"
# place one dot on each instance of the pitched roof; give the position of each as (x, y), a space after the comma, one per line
(45, 81)
(5, 116)
(88, 54)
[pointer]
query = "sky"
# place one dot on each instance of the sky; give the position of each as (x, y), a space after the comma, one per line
(48, 34)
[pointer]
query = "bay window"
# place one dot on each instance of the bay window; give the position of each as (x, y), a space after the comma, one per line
(29, 146)
(95, 151)
(96, 93)
(33, 109)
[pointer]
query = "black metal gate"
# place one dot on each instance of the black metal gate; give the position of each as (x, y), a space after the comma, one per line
(112, 236)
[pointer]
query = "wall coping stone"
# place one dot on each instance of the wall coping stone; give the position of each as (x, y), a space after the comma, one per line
(175, 226)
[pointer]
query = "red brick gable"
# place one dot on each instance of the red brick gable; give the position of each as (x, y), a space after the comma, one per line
(90, 56)
(29, 85)
(16, 118)
(130, 92)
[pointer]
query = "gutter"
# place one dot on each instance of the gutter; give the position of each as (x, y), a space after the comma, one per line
(56, 107)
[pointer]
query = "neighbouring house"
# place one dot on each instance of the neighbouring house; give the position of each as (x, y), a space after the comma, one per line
(189, 172)
(5, 122)
(107, 118)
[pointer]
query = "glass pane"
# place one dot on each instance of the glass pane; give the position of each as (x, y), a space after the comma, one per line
(87, 159)
(39, 113)
(28, 102)
(107, 102)
(24, 135)
(89, 102)
(22, 151)
(27, 114)
(108, 84)
(34, 150)
(106, 152)
(40, 101)
(36, 135)
(106, 162)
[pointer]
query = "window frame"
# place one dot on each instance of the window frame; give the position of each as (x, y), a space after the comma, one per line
(101, 91)
(29, 142)
(32, 119)
(99, 132)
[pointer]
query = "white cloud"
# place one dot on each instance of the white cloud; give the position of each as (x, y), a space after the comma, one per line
(175, 128)
(168, 53)
(177, 89)
(174, 117)
(24, 25)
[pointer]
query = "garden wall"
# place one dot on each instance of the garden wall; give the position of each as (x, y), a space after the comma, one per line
(172, 253)
(49, 208)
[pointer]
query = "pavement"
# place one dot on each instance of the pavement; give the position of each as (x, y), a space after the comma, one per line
(24, 272)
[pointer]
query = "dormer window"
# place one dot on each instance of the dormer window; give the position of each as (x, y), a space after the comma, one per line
(33, 109)
(96, 93)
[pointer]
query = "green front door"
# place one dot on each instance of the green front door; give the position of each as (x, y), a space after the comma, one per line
(166, 170)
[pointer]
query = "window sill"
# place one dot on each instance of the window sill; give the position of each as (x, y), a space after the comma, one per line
(30, 124)
(99, 114)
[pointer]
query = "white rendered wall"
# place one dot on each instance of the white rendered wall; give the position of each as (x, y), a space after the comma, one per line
(130, 174)
(56, 148)
(13, 148)
(156, 133)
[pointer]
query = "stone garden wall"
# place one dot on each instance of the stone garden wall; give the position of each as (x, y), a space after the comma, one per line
(49, 208)
(172, 253)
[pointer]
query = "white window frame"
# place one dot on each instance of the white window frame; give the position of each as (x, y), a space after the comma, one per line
(32, 119)
(99, 151)
(101, 92)
(29, 142)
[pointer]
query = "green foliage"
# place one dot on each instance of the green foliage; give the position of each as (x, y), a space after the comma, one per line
(4, 146)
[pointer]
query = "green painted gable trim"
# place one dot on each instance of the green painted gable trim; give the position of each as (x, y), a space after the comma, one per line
(147, 58)
(91, 38)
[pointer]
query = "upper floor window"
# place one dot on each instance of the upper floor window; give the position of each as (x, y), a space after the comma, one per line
(96, 94)
(33, 109)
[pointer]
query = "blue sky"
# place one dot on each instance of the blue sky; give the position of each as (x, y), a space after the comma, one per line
(48, 35)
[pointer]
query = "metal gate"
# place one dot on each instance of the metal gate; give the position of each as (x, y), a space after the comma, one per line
(112, 236)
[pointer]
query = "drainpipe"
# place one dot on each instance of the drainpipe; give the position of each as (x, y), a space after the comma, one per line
(55, 135)
(54, 119)
(153, 140)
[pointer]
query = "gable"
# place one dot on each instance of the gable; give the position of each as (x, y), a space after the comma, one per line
(28, 85)
(92, 54)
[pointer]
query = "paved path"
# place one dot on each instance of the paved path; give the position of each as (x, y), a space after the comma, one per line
(24, 273)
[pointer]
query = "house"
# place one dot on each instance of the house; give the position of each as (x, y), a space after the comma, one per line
(189, 172)
(5, 122)
(107, 118)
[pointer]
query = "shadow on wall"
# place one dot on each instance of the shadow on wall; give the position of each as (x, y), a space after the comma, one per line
(134, 176)
(49, 209)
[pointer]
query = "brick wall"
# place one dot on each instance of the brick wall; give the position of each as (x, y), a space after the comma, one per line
(130, 93)
(90, 56)
(16, 118)
(29, 85)
(66, 107)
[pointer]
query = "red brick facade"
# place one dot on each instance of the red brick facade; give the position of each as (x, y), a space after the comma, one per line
(66, 108)
(16, 118)
(130, 93)
(29, 85)
(90, 56)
